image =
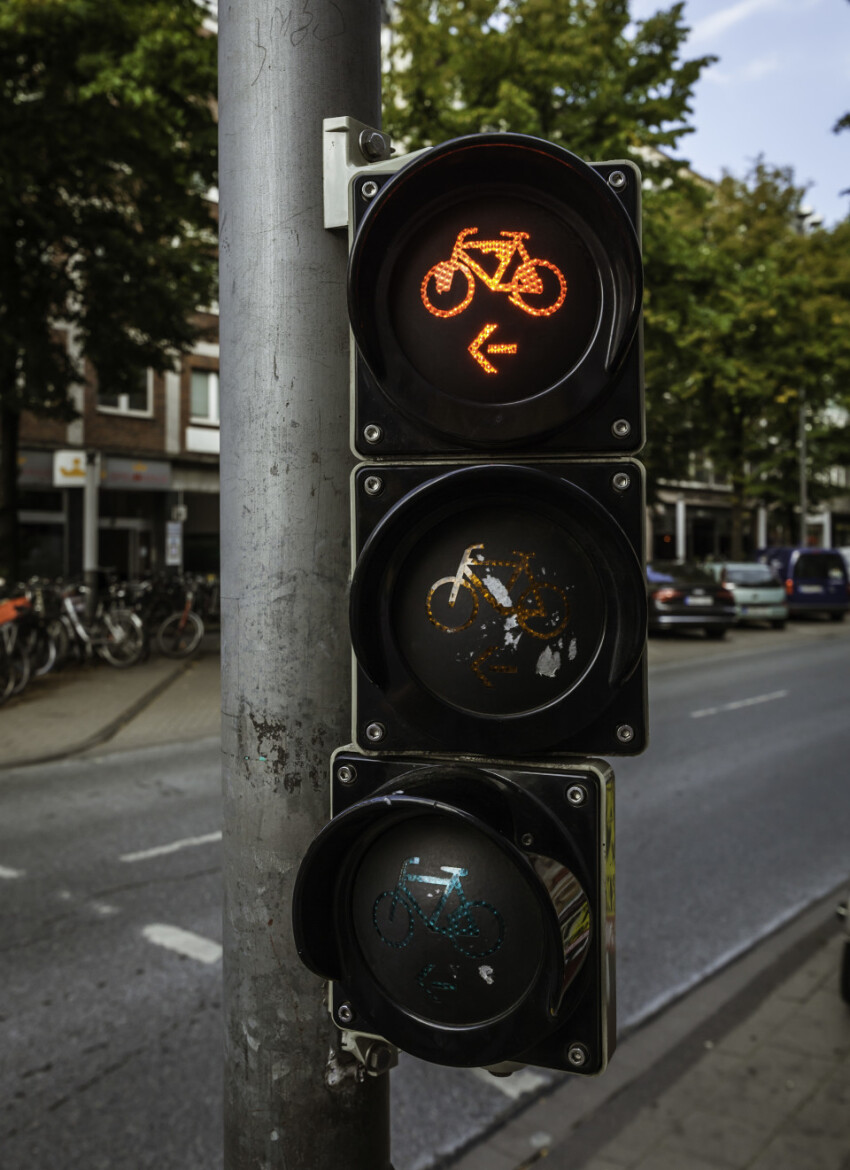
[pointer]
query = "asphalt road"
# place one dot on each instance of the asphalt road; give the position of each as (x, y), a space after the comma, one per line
(738, 816)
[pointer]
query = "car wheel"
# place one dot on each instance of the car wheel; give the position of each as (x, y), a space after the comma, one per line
(715, 632)
(778, 624)
(837, 617)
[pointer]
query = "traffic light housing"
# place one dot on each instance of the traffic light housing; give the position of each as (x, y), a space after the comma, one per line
(465, 912)
(461, 898)
(498, 609)
(497, 603)
(494, 291)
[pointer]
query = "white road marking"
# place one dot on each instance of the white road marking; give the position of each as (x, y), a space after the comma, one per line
(524, 1081)
(172, 847)
(183, 942)
(740, 703)
(5, 872)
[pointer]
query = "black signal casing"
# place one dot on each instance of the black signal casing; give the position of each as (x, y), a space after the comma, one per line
(503, 684)
(423, 990)
(404, 405)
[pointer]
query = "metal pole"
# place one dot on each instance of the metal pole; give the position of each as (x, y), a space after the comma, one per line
(801, 443)
(91, 524)
(285, 465)
(681, 529)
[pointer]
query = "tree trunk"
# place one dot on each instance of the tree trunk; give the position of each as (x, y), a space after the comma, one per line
(10, 564)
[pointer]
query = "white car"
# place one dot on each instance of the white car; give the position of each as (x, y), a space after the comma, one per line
(759, 594)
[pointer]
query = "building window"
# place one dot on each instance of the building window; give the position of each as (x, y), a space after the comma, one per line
(203, 406)
(135, 401)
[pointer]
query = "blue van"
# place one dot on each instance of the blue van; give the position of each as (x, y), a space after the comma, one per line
(816, 579)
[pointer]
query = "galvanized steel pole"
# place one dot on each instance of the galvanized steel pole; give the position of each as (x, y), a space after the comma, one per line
(284, 505)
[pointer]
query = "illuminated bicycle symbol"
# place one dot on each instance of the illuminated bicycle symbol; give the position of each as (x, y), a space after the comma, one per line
(474, 928)
(541, 610)
(527, 280)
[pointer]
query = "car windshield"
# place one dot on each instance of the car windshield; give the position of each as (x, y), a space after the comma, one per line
(749, 575)
(679, 571)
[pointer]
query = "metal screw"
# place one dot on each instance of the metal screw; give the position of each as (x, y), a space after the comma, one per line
(346, 774)
(576, 795)
(617, 180)
(369, 189)
(625, 733)
(621, 482)
(373, 145)
(373, 485)
(621, 428)
(375, 732)
(526, 840)
(373, 433)
(577, 1055)
(345, 1013)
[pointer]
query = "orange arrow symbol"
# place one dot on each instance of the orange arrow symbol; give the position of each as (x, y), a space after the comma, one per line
(478, 665)
(475, 349)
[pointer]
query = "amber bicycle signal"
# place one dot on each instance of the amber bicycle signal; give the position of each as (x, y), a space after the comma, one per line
(526, 281)
(542, 602)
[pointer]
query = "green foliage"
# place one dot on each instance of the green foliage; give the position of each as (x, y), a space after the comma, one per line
(745, 318)
(577, 72)
(107, 146)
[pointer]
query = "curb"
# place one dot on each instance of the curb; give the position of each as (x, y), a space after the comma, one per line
(111, 728)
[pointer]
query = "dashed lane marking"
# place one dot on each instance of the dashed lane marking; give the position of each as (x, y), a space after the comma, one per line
(5, 872)
(523, 1081)
(183, 942)
(172, 847)
(736, 706)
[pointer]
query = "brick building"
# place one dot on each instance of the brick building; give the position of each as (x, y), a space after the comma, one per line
(159, 448)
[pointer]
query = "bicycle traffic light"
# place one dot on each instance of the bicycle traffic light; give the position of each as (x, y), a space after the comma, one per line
(494, 294)
(465, 913)
(498, 604)
(461, 898)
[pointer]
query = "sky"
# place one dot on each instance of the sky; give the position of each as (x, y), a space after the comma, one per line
(781, 83)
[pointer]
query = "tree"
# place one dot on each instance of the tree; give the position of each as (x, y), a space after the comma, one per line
(745, 319)
(107, 150)
(577, 72)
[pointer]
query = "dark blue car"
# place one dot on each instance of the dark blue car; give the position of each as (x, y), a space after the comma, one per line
(815, 579)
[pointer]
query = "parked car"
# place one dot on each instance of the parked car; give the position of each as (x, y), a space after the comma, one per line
(683, 595)
(759, 594)
(816, 579)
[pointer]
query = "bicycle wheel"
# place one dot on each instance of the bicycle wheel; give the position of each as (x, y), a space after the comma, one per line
(7, 675)
(392, 918)
(448, 617)
(42, 652)
(476, 929)
(544, 286)
(119, 639)
(180, 635)
(440, 284)
(543, 611)
(21, 667)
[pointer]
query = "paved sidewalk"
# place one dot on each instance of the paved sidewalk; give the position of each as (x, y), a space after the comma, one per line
(85, 707)
(749, 1072)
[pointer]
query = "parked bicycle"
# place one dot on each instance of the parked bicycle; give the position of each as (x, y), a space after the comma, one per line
(115, 634)
(180, 634)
